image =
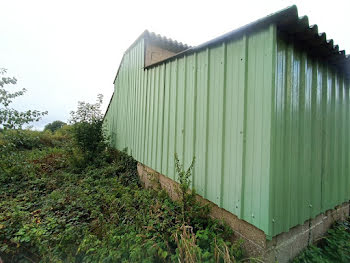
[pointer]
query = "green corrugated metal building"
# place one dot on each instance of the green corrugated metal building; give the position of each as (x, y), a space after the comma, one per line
(264, 109)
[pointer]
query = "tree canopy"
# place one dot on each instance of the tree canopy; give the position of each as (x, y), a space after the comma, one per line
(54, 126)
(11, 118)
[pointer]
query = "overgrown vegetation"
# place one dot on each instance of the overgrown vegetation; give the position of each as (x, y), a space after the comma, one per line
(65, 196)
(52, 212)
(54, 126)
(333, 248)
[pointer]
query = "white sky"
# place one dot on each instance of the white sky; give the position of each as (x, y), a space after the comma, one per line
(66, 51)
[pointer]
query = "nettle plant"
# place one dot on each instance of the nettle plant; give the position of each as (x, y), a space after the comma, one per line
(11, 118)
(187, 196)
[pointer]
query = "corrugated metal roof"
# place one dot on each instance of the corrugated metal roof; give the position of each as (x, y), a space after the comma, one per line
(292, 27)
(165, 42)
(297, 29)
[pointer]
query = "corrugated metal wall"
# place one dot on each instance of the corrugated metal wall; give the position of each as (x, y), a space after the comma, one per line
(268, 126)
(310, 139)
(215, 105)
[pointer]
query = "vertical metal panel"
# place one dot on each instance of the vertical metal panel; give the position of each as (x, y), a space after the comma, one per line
(166, 130)
(144, 114)
(138, 106)
(215, 127)
(172, 114)
(200, 171)
(189, 112)
(180, 110)
(160, 112)
(316, 137)
(154, 123)
(234, 120)
(257, 129)
(150, 119)
(310, 122)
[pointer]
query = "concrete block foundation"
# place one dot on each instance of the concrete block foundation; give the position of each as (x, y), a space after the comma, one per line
(282, 248)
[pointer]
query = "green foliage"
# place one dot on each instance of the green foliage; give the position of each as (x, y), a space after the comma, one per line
(88, 112)
(187, 196)
(87, 132)
(51, 212)
(54, 126)
(335, 247)
(12, 140)
(192, 210)
(11, 118)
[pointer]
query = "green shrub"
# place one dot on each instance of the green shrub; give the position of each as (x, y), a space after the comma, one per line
(87, 132)
(89, 138)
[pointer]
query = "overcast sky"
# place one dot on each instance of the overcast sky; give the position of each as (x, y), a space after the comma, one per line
(66, 51)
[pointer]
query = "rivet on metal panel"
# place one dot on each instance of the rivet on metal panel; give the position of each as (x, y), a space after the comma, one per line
(273, 220)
